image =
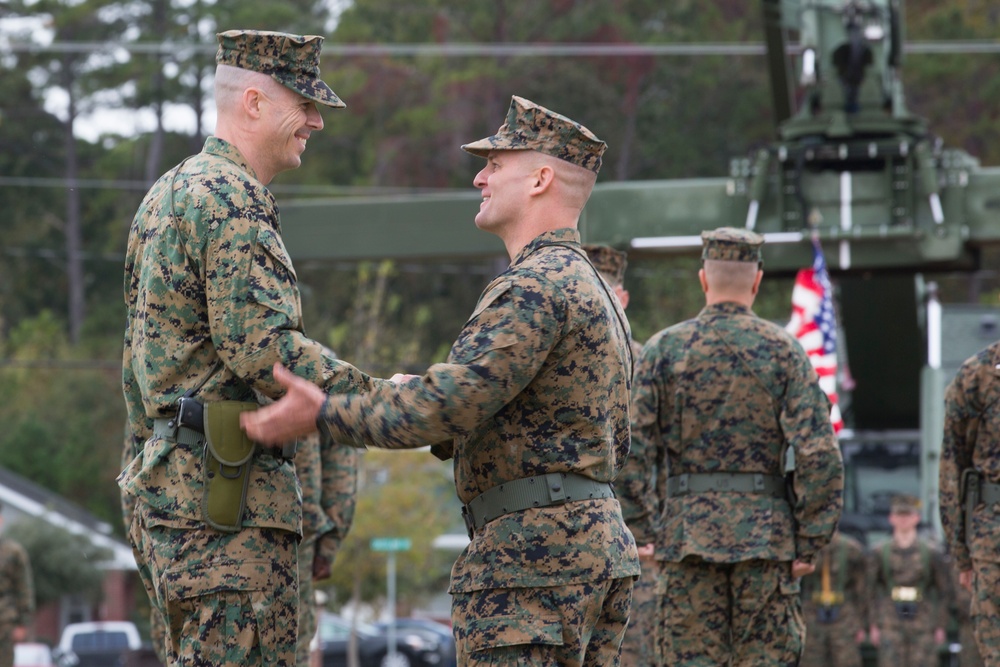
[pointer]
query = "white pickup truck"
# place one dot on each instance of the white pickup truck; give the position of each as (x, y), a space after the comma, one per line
(97, 644)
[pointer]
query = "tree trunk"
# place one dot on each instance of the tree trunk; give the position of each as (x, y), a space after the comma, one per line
(73, 228)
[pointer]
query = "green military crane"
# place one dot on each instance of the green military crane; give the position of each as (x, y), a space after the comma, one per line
(850, 166)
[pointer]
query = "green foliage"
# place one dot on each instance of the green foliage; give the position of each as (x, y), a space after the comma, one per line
(62, 563)
(402, 494)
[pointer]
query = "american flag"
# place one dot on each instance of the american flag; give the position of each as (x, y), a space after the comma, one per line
(814, 325)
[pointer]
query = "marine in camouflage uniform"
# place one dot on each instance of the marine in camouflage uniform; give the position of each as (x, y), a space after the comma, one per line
(532, 405)
(639, 647)
(716, 403)
(972, 443)
(17, 596)
(212, 305)
(835, 605)
(911, 591)
(329, 479)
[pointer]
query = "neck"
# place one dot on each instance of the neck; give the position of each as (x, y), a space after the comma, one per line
(904, 539)
(531, 227)
(244, 143)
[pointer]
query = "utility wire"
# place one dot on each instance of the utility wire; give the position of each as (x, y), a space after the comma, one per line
(182, 50)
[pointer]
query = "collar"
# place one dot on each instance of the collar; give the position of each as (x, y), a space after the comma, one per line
(224, 149)
(725, 308)
(564, 235)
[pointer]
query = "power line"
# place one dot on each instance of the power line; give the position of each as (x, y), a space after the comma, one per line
(181, 50)
(291, 189)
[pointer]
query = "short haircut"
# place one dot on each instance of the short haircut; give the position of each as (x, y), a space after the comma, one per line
(730, 277)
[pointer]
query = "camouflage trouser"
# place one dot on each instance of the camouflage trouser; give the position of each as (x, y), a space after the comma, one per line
(6, 646)
(906, 642)
(561, 626)
(158, 634)
(986, 610)
(639, 647)
(735, 614)
(307, 603)
(830, 644)
(969, 655)
(225, 598)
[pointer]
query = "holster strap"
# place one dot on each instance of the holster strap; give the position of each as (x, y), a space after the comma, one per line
(989, 492)
(737, 482)
(539, 491)
(182, 435)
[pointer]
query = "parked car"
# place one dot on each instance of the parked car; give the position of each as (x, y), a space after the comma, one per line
(97, 644)
(32, 654)
(413, 649)
(442, 632)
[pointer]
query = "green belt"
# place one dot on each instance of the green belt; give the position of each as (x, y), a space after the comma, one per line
(738, 482)
(182, 435)
(540, 491)
(989, 492)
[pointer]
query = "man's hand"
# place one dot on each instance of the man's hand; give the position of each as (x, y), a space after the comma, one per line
(321, 567)
(965, 578)
(20, 633)
(875, 635)
(646, 552)
(400, 378)
(800, 569)
(290, 417)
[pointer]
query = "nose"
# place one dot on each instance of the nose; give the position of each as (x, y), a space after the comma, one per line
(314, 119)
(480, 180)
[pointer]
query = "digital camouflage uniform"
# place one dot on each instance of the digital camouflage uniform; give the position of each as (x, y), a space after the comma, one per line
(212, 304)
(835, 604)
(17, 595)
(537, 383)
(639, 646)
(972, 441)
(726, 393)
(329, 477)
(969, 654)
(906, 628)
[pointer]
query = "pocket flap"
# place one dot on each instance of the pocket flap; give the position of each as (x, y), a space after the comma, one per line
(227, 442)
(498, 631)
(215, 577)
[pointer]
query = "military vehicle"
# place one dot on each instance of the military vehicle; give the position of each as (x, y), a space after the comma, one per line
(850, 166)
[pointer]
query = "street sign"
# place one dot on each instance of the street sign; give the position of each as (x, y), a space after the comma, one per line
(391, 544)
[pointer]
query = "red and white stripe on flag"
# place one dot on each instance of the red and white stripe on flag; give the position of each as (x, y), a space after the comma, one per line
(814, 325)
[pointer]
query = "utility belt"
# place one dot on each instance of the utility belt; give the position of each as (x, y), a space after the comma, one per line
(227, 457)
(906, 600)
(736, 482)
(828, 599)
(974, 491)
(554, 488)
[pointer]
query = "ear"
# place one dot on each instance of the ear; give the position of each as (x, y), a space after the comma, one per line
(542, 179)
(252, 99)
(702, 280)
(622, 295)
(756, 282)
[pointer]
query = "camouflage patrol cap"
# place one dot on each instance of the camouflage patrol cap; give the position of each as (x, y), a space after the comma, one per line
(904, 503)
(530, 126)
(608, 261)
(732, 244)
(291, 60)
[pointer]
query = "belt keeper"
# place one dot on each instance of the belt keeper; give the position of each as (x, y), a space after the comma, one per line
(557, 490)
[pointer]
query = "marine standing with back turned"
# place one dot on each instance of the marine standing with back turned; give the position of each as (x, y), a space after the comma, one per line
(720, 399)
(212, 304)
(532, 405)
(970, 490)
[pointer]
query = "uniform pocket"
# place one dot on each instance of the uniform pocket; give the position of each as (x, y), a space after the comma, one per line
(484, 634)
